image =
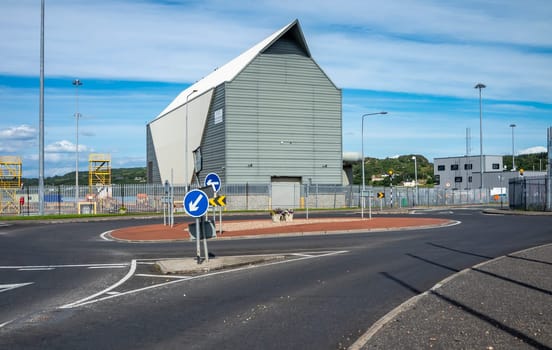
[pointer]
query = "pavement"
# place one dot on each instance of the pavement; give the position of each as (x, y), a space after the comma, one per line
(504, 303)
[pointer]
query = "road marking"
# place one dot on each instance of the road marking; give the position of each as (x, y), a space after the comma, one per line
(85, 301)
(92, 299)
(104, 236)
(6, 287)
(107, 267)
(36, 269)
(163, 276)
(117, 265)
(5, 323)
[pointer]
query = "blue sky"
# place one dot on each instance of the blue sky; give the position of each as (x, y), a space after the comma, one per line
(417, 59)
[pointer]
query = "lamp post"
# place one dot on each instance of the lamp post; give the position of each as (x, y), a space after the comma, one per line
(513, 157)
(416, 179)
(186, 177)
(41, 118)
(362, 166)
(77, 83)
(480, 86)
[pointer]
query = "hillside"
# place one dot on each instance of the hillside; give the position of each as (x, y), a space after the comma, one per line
(118, 176)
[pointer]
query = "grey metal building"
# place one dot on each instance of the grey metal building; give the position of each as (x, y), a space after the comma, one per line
(271, 115)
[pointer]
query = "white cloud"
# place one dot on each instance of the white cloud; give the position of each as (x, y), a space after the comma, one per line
(445, 48)
(19, 133)
(65, 146)
(532, 150)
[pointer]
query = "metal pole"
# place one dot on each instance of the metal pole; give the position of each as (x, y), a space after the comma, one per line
(77, 83)
(198, 249)
(362, 166)
(513, 157)
(41, 118)
(480, 86)
(417, 199)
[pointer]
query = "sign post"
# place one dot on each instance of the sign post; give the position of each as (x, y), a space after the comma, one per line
(196, 203)
(213, 180)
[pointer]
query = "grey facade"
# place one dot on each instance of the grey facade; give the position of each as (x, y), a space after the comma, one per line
(275, 119)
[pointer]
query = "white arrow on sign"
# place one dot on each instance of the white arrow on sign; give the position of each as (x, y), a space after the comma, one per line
(210, 182)
(193, 206)
(6, 287)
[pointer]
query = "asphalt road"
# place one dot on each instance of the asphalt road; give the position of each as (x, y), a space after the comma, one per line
(58, 284)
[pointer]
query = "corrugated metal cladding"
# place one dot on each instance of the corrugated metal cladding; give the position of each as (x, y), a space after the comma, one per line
(153, 175)
(213, 143)
(283, 119)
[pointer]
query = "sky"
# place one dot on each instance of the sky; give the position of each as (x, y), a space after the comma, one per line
(418, 60)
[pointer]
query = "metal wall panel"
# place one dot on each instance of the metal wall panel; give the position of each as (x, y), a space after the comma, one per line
(283, 118)
(213, 144)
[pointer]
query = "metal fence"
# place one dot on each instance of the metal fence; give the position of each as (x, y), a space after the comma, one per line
(528, 193)
(151, 198)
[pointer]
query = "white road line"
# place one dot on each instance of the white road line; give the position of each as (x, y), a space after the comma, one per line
(5, 323)
(163, 276)
(59, 266)
(108, 267)
(298, 254)
(6, 287)
(83, 301)
(36, 269)
(104, 236)
(90, 300)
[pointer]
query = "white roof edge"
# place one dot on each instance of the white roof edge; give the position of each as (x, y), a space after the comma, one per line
(227, 72)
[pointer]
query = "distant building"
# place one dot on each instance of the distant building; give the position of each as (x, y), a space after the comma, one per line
(463, 172)
(271, 115)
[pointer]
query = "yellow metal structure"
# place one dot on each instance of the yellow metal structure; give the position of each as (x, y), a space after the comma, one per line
(99, 170)
(10, 183)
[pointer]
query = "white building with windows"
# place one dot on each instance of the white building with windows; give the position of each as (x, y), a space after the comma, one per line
(463, 172)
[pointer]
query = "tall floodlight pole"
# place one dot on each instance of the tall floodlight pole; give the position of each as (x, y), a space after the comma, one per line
(416, 179)
(513, 154)
(362, 167)
(480, 86)
(41, 118)
(77, 83)
(186, 176)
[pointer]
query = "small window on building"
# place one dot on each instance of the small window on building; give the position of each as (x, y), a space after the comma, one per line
(454, 167)
(470, 179)
(468, 166)
(438, 179)
(458, 179)
(440, 168)
(496, 166)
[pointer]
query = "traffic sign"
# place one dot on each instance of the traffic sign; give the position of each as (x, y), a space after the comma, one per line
(381, 195)
(218, 201)
(212, 179)
(196, 203)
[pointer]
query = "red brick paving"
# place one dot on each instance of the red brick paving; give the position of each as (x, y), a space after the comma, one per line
(160, 232)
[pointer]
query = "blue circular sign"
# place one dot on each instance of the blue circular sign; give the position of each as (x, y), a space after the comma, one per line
(196, 203)
(212, 179)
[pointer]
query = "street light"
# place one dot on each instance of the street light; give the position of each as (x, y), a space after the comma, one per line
(416, 179)
(480, 86)
(186, 177)
(513, 157)
(77, 83)
(362, 165)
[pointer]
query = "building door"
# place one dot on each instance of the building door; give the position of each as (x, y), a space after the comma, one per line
(286, 192)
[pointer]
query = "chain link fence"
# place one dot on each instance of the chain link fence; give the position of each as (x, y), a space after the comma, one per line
(528, 193)
(151, 198)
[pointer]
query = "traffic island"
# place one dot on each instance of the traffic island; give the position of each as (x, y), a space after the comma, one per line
(190, 265)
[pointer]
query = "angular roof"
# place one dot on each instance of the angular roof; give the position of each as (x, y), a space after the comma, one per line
(231, 69)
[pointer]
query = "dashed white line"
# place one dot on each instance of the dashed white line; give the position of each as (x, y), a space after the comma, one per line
(36, 269)
(108, 267)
